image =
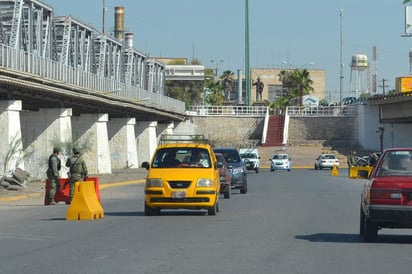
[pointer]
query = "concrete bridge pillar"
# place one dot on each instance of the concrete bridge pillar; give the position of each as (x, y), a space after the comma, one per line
(11, 148)
(165, 128)
(89, 132)
(146, 140)
(122, 142)
(43, 130)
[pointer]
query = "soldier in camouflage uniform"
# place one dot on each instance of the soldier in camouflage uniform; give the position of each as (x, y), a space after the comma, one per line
(77, 168)
(54, 166)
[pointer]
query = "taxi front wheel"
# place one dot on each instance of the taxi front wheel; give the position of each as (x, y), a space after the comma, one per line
(150, 211)
(212, 210)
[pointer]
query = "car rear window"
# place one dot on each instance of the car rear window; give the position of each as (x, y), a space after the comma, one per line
(396, 163)
(231, 156)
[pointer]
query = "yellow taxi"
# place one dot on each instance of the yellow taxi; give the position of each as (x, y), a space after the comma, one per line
(182, 175)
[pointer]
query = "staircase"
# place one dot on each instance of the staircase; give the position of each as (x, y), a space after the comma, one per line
(274, 135)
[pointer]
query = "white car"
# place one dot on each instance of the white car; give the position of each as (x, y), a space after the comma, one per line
(280, 161)
(251, 158)
(326, 161)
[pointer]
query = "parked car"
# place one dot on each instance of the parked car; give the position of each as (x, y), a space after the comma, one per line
(326, 161)
(225, 176)
(386, 199)
(280, 161)
(182, 175)
(251, 158)
(237, 168)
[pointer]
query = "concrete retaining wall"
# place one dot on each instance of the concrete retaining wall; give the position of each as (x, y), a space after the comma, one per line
(323, 130)
(241, 132)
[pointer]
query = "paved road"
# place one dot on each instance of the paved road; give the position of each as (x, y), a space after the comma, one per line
(303, 221)
(302, 157)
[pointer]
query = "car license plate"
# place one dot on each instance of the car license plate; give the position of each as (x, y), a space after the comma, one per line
(179, 194)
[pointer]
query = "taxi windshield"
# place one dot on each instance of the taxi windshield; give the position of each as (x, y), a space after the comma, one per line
(182, 158)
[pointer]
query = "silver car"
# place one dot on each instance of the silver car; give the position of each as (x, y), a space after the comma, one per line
(326, 161)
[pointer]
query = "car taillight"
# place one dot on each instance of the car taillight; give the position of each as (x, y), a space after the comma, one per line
(387, 196)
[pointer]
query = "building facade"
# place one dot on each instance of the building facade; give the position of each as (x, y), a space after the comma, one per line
(273, 88)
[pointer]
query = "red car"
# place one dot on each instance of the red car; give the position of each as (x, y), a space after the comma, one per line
(225, 176)
(386, 200)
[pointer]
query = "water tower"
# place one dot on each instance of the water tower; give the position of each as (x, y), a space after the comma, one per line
(359, 75)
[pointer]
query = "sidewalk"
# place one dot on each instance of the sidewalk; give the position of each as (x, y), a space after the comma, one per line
(35, 190)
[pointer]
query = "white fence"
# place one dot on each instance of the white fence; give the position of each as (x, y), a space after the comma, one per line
(346, 110)
(262, 111)
(251, 111)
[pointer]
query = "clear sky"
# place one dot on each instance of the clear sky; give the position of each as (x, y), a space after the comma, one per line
(297, 32)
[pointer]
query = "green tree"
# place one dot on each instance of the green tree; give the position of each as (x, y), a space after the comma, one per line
(297, 82)
(324, 102)
(406, 1)
(188, 91)
(215, 98)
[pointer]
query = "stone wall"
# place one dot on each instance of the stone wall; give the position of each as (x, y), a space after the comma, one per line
(324, 130)
(244, 132)
(230, 131)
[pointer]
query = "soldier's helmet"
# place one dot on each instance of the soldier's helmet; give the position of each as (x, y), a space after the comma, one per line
(76, 150)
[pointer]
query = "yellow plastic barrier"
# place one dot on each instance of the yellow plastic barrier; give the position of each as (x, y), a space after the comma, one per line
(360, 172)
(85, 205)
(335, 171)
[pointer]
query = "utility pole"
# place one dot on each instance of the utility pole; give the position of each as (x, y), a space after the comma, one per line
(383, 86)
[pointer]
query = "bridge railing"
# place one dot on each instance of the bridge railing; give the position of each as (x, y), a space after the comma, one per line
(346, 110)
(24, 62)
(252, 111)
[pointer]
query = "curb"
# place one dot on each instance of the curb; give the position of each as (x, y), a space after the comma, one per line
(36, 195)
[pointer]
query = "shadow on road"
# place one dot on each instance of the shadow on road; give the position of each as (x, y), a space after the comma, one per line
(353, 238)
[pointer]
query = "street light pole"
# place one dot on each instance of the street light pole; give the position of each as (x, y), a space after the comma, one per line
(247, 69)
(341, 59)
(217, 62)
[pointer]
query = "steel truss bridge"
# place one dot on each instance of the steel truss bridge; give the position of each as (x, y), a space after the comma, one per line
(58, 61)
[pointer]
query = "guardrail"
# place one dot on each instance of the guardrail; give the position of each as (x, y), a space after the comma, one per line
(251, 111)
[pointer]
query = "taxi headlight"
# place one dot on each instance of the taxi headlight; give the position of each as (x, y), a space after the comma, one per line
(154, 182)
(204, 183)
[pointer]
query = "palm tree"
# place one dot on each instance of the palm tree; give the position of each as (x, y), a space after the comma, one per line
(215, 98)
(297, 81)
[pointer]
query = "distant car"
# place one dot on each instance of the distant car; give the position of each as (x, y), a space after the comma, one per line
(237, 168)
(251, 158)
(386, 199)
(280, 161)
(326, 161)
(225, 176)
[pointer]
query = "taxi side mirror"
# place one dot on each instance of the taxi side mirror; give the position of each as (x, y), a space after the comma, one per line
(145, 165)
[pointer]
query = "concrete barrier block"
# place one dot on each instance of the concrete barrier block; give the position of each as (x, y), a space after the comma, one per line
(85, 204)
